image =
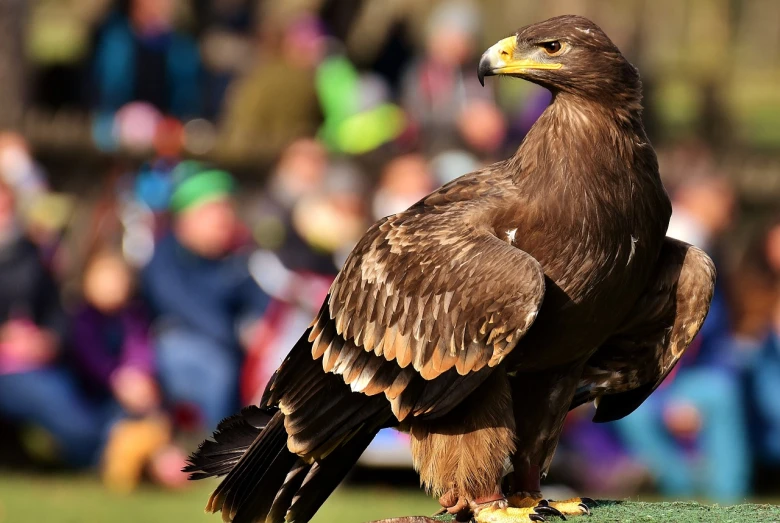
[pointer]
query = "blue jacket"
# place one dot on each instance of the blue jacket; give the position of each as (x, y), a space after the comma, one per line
(766, 395)
(210, 297)
(116, 68)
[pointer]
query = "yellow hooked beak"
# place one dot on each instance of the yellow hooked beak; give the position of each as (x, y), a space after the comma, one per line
(500, 59)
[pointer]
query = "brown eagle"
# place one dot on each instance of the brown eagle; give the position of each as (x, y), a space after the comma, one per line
(477, 318)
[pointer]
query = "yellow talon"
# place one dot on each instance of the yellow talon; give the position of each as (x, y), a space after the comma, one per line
(573, 506)
(505, 515)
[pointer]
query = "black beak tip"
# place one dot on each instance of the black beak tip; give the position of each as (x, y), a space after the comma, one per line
(484, 69)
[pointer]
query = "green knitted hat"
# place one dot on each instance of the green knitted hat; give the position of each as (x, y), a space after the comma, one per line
(197, 183)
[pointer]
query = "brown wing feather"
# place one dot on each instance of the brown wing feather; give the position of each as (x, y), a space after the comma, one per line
(633, 362)
(414, 290)
(417, 319)
(428, 291)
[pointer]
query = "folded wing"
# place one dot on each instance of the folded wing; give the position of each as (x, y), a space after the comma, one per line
(634, 362)
(425, 306)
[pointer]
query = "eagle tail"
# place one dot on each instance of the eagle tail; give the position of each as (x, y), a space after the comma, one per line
(231, 439)
(265, 481)
(322, 478)
(250, 487)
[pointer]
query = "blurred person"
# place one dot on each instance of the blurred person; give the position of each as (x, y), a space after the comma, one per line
(404, 181)
(300, 173)
(761, 301)
(225, 37)
(111, 345)
(312, 210)
(451, 164)
(35, 387)
(58, 41)
(704, 209)
(46, 221)
(324, 226)
(19, 169)
(114, 356)
(332, 220)
(206, 302)
(144, 211)
(438, 89)
(42, 215)
(142, 57)
(591, 458)
(379, 34)
(692, 433)
(359, 116)
(483, 129)
(276, 101)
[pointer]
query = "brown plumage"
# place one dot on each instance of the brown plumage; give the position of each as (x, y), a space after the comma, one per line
(476, 318)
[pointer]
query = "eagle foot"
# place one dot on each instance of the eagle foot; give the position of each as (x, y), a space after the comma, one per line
(573, 506)
(529, 507)
(517, 514)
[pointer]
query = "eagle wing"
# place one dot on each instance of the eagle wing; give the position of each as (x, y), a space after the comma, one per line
(426, 301)
(632, 363)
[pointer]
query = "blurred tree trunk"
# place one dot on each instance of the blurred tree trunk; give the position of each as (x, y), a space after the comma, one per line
(13, 77)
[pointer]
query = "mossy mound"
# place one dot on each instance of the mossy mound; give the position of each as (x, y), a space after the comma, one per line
(676, 512)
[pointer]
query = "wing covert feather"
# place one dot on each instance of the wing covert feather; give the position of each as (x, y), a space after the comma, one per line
(413, 297)
(428, 293)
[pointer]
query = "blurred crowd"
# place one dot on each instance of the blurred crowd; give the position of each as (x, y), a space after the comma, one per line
(138, 312)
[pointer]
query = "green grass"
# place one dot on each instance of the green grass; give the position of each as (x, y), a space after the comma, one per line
(68, 499)
(677, 512)
(636, 512)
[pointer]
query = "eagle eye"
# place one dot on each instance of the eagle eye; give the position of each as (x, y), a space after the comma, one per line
(552, 48)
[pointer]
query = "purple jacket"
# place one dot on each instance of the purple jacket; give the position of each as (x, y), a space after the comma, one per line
(102, 344)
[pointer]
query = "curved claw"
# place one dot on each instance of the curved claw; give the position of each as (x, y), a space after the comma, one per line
(589, 501)
(536, 517)
(547, 510)
(584, 508)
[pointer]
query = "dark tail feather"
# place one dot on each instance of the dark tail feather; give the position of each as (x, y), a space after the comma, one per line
(284, 497)
(257, 473)
(323, 477)
(261, 493)
(266, 482)
(230, 441)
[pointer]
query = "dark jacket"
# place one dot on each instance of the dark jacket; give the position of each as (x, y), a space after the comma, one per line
(207, 296)
(28, 293)
(164, 71)
(103, 343)
(27, 290)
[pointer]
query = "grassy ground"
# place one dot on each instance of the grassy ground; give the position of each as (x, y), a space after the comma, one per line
(53, 499)
(677, 512)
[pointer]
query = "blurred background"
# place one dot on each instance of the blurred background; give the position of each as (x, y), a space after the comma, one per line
(180, 180)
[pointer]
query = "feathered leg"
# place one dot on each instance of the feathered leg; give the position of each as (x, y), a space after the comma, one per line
(541, 401)
(461, 456)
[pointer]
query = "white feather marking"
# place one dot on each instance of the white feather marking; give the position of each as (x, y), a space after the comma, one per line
(510, 234)
(586, 31)
(634, 241)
